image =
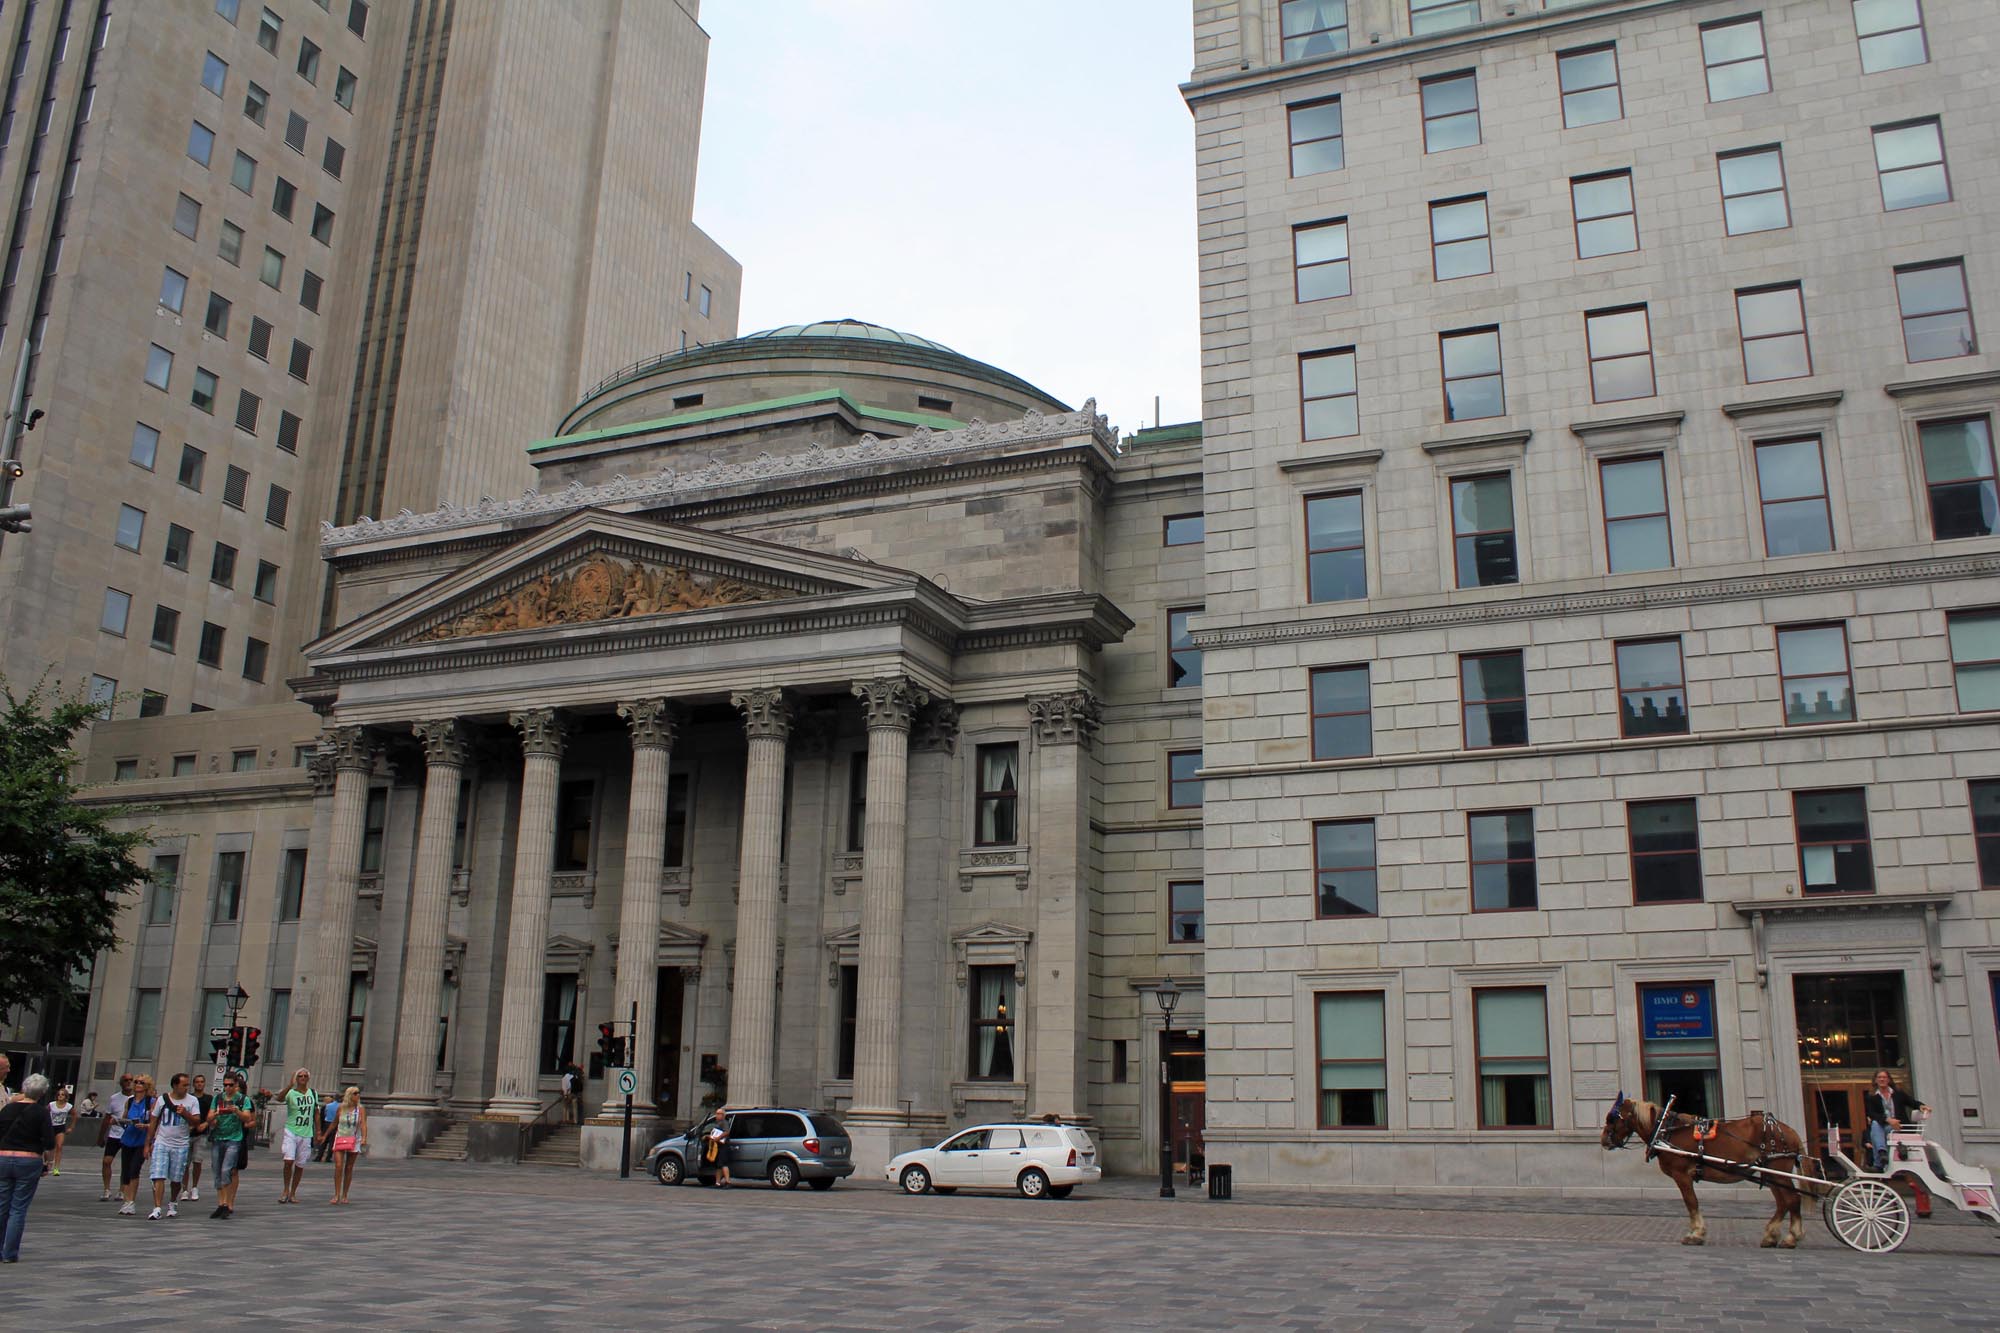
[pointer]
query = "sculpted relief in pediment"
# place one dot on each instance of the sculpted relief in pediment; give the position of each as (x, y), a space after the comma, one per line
(600, 589)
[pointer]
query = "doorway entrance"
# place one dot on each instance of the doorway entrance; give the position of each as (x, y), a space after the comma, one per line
(1184, 1108)
(667, 1004)
(1849, 1026)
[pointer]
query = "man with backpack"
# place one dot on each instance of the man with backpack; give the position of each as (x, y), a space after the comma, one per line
(228, 1126)
(168, 1139)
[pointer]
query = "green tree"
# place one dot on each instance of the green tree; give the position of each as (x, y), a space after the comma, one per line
(63, 867)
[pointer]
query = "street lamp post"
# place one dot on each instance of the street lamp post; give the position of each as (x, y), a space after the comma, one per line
(1169, 995)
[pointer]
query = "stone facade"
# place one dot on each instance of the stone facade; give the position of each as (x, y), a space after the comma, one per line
(1345, 985)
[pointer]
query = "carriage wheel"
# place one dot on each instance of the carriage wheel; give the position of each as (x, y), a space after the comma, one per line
(1866, 1215)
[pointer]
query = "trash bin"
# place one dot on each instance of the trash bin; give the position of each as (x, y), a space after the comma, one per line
(1218, 1180)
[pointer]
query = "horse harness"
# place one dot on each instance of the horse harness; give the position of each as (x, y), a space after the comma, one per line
(1770, 1148)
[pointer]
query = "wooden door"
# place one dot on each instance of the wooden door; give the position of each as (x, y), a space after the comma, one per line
(1836, 1102)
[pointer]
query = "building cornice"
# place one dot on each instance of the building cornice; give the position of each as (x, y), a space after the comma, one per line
(1797, 402)
(1506, 439)
(1979, 379)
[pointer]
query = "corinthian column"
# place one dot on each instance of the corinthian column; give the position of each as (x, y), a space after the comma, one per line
(333, 941)
(414, 1086)
(767, 721)
(653, 723)
(887, 702)
(516, 1090)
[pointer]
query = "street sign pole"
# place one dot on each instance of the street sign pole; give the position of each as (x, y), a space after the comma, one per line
(625, 1145)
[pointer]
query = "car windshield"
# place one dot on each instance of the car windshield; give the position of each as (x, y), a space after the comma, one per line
(828, 1127)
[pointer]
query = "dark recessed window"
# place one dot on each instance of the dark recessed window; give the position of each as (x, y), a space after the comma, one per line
(1652, 691)
(256, 103)
(1832, 826)
(180, 542)
(1341, 724)
(1184, 911)
(1336, 555)
(309, 291)
(235, 485)
(260, 338)
(209, 652)
(187, 217)
(1959, 477)
(166, 628)
(1814, 677)
(277, 504)
(288, 432)
(295, 132)
(266, 588)
(222, 565)
(1986, 831)
(1472, 386)
(688, 400)
(999, 794)
(193, 463)
(929, 404)
(1502, 844)
(1482, 524)
(1666, 851)
(1344, 868)
(343, 88)
(1791, 491)
(248, 405)
(1353, 1063)
(1182, 530)
(1494, 699)
(1511, 1038)
(1183, 784)
(1183, 658)
(1975, 659)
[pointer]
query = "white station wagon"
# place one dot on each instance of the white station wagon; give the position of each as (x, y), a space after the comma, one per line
(1039, 1159)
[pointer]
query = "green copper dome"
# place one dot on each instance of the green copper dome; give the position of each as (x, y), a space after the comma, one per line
(846, 328)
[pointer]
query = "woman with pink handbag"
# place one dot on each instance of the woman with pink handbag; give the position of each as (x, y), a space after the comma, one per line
(350, 1140)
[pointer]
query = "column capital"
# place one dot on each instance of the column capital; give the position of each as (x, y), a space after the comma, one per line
(767, 713)
(446, 744)
(889, 703)
(543, 730)
(352, 748)
(655, 723)
(936, 727)
(319, 768)
(1068, 718)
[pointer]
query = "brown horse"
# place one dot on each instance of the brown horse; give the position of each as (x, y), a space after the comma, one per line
(1725, 1146)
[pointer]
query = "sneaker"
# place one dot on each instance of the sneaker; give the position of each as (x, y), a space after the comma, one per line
(220, 1211)
(228, 1213)
(106, 1197)
(153, 1216)
(54, 1171)
(125, 1210)
(192, 1196)
(171, 1211)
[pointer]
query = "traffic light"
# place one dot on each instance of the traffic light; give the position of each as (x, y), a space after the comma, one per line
(14, 518)
(607, 1044)
(251, 1036)
(236, 1046)
(218, 1048)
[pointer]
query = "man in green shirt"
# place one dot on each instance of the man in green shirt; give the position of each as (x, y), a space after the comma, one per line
(226, 1125)
(301, 1119)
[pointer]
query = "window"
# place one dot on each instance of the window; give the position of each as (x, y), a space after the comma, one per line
(1959, 477)
(243, 173)
(1511, 1035)
(1975, 659)
(1183, 658)
(1637, 535)
(357, 1011)
(1441, 15)
(1327, 402)
(201, 142)
(1353, 1060)
(173, 290)
(1791, 490)
(103, 693)
(1891, 34)
(991, 990)
(145, 444)
(235, 485)
(228, 886)
(1451, 112)
(1733, 54)
(1472, 386)
(357, 17)
(214, 70)
(1621, 354)
(322, 227)
(1651, 689)
(288, 432)
(265, 589)
(216, 321)
(1184, 911)
(146, 1025)
(152, 704)
(260, 338)
(1753, 190)
(1813, 674)
(1482, 524)
(1313, 28)
(707, 297)
(159, 366)
(187, 217)
(1344, 868)
(1494, 699)
(243, 761)
(131, 527)
(857, 800)
(1666, 851)
(308, 65)
(374, 824)
(247, 407)
(1833, 841)
(1183, 782)
(1937, 312)
(229, 247)
(333, 158)
(277, 503)
(295, 132)
(267, 31)
(227, 8)
(117, 610)
(209, 651)
(284, 197)
(193, 461)
(256, 657)
(850, 1019)
(575, 806)
(301, 363)
(1909, 160)
(1182, 530)
(161, 887)
(256, 103)
(1317, 144)
(676, 853)
(1772, 321)
(1336, 561)
(999, 794)
(1589, 81)
(1986, 831)
(272, 271)
(179, 542)
(166, 628)
(343, 88)
(1319, 260)
(1502, 848)
(1341, 724)
(1460, 246)
(309, 289)
(277, 1024)
(1678, 1055)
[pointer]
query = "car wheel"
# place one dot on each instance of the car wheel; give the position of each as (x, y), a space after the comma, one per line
(784, 1174)
(916, 1180)
(821, 1183)
(1061, 1191)
(1034, 1183)
(669, 1169)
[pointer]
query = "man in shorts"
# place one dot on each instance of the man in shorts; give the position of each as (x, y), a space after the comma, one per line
(114, 1129)
(200, 1091)
(301, 1125)
(227, 1123)
(168, 1139)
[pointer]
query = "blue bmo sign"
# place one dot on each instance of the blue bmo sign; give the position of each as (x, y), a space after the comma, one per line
(1678, 1013)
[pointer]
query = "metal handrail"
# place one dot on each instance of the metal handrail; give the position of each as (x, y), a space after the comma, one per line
(534, 1131)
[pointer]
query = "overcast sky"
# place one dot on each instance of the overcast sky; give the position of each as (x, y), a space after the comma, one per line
(1015, 181)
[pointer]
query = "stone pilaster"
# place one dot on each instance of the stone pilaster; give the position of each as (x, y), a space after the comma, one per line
(888, 703)
(653, 724)
(413, 1087)
(352, 756)
(1059, 983)
(516, 1083)
(767, 721)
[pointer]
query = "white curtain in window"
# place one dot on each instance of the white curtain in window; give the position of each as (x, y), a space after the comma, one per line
(996, 1042)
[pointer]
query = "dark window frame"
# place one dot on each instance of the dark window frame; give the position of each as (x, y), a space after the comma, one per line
(1978, 613)
(1626, 713)
(998, 799)
(1360, 543)
(1866, 841)
(1177, 916)
(1339, 137)
(1665, 515)
(1616, 85)
(1783, 190)
(1942, 162)
(1438, 80)
(1505, 576)
(1803, 333)
(1986, 838)
(1183, 663)
(1763, 56)
(1301, 266)
(1446, 379)
(1006, 1023)
(1679, 856)
(1479, 1058)
(1167, 538)
(1176, 782)
(1846, 672)
(1486, 704)
(1652, 368)
(1532, 860)
(1971, 325)
(1765, 505)
(1367, 711)
(1988, 485)
(1321, 869)
(1321, 1063)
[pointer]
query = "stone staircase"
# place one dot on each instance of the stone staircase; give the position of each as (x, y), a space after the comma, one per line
(448, 1146)
(562, 1147)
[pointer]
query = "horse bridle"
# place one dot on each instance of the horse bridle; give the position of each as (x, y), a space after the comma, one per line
(1611, 1118)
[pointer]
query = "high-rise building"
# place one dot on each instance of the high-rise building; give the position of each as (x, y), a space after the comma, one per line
(274, 263)
(1601, 615)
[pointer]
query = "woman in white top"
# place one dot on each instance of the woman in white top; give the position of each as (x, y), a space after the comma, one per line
(59, 1112)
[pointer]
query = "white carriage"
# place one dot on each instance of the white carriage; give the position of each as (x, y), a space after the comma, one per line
(1867, 1213)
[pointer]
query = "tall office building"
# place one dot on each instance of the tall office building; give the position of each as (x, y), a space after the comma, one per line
(1601, 624)
(273, 263)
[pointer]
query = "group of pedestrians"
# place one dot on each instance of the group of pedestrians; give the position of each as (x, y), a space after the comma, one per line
(150, 1133)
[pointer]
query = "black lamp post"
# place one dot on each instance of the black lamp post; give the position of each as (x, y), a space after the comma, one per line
(1169, 995)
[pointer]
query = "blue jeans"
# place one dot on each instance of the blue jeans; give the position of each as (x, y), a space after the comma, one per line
(1878, 1139)
(20, 1177)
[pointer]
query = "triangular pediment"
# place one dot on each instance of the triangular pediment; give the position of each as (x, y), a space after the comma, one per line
(993, 932)
(596, 567)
